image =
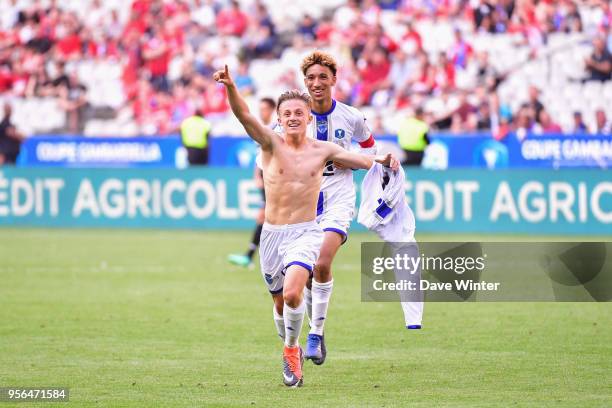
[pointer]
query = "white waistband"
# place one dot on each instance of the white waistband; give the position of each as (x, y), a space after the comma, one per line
(280, 227)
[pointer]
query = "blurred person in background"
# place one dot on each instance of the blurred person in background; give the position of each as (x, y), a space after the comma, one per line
(267, 106)
(534, 101)
(579, 126)
(545, 124)
(413, 138)
(599, 63)
(73, 100)
(232, 20)
(10, 138)
(524, 122)
(194, 135)
(602, 124)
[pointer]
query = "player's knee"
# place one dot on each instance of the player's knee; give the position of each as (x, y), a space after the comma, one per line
(292, 297)
(279, 302)
(322, 271)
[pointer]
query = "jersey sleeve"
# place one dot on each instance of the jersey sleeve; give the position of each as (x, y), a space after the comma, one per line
(363, 135)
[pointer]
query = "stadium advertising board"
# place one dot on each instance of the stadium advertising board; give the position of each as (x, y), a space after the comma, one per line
(550, 151)
(471, 150)
(67, 151)
(519, 201)
(445, 151)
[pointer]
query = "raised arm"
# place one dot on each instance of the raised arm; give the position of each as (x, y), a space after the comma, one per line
(256, 131)
(359, 161)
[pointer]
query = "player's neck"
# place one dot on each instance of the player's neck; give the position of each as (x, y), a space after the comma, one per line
(295, 140)
(322, 106)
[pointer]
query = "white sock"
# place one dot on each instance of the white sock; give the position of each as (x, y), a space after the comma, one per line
(279, 322)
(293, 323)
(321, 292)
(308, 301)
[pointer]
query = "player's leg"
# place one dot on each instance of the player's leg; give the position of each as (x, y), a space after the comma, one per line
(294, 309)
(277, 315)
(321, 290)
(272, 272)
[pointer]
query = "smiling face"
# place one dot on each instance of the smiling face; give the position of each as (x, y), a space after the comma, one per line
(319, 81)
(294, 116)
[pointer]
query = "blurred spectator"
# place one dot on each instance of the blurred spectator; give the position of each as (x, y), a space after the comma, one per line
(60, 80)
(599, 64)
(378, 127)
(546, 125)
(307, 27)
(204, 13)
(483, 11)
(483, 117)
(413, 138)
(460, 51)
(73, 100)
(524, 121)
(402, 68)
(243, 80)
(602, 124)
(10, 138)
(464, 118)
(267, 107)
(156, 55)
(579, 126)
(345, 16)
(194, 135)
(232, 20)
(567, 18)
(411, 41)
(374, 70)
(534, 102)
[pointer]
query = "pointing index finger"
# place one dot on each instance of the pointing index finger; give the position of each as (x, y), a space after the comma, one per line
(226, 70)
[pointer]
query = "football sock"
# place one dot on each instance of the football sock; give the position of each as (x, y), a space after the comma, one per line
(293, 323)
(308, 301)
(321, 292)
(279, 322)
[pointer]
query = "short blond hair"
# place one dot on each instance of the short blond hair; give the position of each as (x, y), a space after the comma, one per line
(319, 58)
(293, 94)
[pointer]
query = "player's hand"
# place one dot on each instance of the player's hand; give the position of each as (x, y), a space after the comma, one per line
(389, 161)
(223, 77)
(340, 166)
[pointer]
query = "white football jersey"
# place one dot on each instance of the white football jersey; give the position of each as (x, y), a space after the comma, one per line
(342, 124)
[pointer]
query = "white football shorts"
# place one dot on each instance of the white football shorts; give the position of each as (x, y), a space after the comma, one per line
(281, 246)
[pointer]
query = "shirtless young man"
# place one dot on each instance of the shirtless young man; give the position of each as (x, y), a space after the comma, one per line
(290, 241)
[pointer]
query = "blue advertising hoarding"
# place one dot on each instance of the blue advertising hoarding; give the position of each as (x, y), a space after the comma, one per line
(505, 201)
(445, 151)
(471, 150)
(73, 151)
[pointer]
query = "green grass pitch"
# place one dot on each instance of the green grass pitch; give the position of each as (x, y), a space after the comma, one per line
(159, 319)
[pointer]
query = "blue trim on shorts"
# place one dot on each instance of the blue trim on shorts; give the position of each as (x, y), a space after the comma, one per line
(339, 232)
(275, 292)
(302, 264)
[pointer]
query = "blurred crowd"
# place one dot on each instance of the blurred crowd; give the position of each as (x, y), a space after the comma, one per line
(168, 51)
